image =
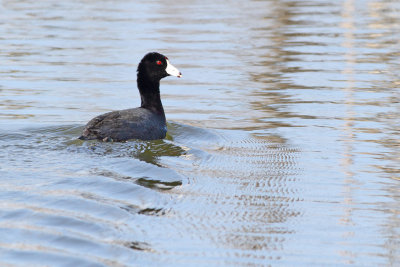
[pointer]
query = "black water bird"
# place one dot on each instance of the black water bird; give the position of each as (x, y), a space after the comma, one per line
(146, 122)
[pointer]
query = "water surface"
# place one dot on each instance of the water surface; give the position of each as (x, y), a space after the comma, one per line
(283, 144)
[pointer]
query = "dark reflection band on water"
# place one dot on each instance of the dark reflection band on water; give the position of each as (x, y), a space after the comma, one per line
(300, 169)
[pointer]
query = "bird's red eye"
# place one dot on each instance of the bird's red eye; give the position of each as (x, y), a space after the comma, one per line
(159, 62)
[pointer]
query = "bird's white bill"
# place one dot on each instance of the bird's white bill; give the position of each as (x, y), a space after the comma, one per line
(171, 70)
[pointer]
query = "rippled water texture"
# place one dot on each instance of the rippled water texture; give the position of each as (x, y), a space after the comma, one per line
(283, 146)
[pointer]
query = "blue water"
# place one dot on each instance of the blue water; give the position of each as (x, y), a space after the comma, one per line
(283, 145)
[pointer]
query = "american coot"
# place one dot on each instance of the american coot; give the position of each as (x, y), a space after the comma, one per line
(146, 122)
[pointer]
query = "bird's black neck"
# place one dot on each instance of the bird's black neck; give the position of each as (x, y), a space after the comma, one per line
(150, 94)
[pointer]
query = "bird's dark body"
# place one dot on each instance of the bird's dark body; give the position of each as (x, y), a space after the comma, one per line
(146, 122)
(121, 125)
